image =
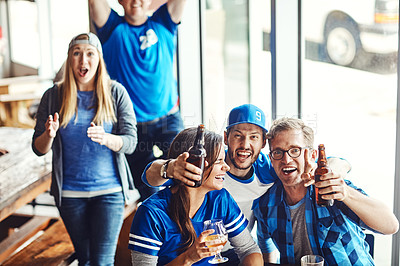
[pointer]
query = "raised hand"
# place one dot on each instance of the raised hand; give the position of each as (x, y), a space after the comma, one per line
(97, 134)
(333, 186)
(52, 125)
(309, 167)
(186, 172)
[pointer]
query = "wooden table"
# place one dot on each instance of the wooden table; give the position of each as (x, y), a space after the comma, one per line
(16, 96)
(14, 110)
(23, 175)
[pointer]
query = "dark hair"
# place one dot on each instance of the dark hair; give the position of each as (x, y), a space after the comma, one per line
(180, 203)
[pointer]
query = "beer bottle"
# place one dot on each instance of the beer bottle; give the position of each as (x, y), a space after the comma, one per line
(197, 153)
(321, 170)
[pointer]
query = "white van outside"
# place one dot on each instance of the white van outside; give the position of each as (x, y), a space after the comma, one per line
(347, 28)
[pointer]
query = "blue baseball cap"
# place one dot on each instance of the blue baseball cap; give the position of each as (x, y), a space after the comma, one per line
(247, 113)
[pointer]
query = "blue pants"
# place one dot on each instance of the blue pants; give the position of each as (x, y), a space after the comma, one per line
(160, 134)
(94, 225)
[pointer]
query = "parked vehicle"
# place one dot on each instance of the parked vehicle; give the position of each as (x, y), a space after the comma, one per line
(348, 28)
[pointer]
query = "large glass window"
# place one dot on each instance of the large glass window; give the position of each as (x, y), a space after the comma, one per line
(226, 59)
(237, 58)
(350, 90)
(24, 33)
(66, 21)
(28, 38)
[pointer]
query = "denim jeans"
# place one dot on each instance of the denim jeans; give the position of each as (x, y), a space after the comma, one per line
(94, 225)
(160, 134)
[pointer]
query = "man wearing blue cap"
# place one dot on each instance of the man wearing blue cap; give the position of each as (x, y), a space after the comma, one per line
(251, 172)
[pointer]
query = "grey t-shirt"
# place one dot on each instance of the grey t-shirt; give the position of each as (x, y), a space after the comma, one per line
(300, 237)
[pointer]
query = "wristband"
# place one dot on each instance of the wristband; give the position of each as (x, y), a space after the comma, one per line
(164, 168)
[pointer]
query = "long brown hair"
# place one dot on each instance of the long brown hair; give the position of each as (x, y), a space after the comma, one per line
(180, 202)
(104, 101)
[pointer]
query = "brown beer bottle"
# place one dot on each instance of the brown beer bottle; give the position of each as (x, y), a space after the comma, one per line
(197, 153)
(321, 170)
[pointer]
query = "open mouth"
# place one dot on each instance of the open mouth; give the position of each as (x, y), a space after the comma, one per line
(220, 177)
(288, 170)
(243, 155)
(83, 71)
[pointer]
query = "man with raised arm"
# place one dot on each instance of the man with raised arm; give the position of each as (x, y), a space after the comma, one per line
(139, 52)
(289, 216)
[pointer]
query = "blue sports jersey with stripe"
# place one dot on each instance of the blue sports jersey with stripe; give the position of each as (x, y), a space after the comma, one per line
(154, 233)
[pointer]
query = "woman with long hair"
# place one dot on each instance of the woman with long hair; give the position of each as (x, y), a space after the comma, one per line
(88, 122)
(168, 227)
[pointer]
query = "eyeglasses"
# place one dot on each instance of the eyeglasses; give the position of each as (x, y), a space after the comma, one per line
(294, 152)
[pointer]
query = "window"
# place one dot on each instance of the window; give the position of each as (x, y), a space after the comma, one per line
(226, 60)
(350, 91)
(68, 19)
(24, 33)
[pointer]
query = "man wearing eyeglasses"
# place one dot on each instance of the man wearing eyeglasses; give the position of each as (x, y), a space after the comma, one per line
(289, 216)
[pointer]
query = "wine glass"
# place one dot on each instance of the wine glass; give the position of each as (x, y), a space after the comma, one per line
(218, 234)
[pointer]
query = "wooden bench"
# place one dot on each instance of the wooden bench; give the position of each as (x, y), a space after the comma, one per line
(54, 246)
(16, 230)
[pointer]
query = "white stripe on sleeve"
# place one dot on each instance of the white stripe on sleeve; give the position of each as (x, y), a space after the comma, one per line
(145, 239)
(234, 221)
(143, 245)
(236, 227)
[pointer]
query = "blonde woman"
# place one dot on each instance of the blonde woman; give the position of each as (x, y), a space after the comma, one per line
(88, 122)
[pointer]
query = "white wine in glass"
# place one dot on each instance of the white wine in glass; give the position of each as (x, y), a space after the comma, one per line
(218, 234)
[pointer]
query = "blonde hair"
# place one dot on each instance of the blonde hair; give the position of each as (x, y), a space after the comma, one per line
(287, 123)
(104, 103)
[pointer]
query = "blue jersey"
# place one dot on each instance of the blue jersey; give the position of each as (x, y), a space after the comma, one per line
(141, 59)
(154, 233)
